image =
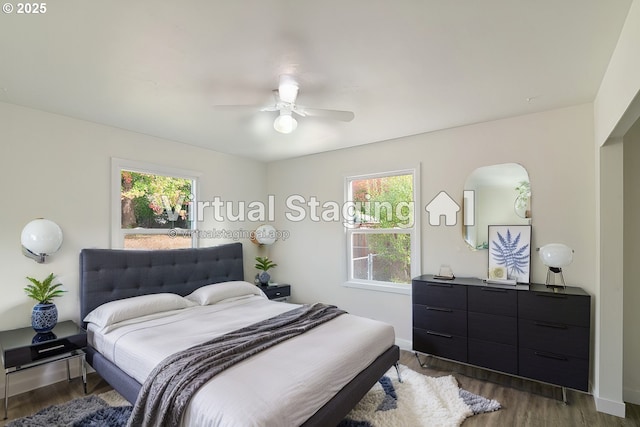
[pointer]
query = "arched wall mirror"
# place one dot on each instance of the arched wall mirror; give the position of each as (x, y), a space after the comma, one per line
(495, 195)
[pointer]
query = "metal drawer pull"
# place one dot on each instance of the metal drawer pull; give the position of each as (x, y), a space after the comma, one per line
(58, 347)
(439, 334)
(550, 356)
(504, 291)
(441, 285)
(277, 294)
(552, 296)
(446, 310)
(551, 325)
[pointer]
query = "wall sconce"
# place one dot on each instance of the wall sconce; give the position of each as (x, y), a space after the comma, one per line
(555, 256)
(40, 238)
(264, 235)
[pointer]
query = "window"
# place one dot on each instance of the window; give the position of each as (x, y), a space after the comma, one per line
(152, 207)
(382, 231)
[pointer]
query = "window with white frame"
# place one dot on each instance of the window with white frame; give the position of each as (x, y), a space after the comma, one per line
(153, 207)
(382, 231)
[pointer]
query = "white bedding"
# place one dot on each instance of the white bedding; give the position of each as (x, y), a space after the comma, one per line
(282, 386)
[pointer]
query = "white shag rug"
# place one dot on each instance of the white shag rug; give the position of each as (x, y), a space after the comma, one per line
(418, 400)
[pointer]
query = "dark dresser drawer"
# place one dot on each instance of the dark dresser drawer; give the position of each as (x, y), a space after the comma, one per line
(496, 356)
(485, 299)
(440, 344)
(440, 295)
(554, 368)
(439, 319)
(554, 337)
(489, 327)
(555, 307)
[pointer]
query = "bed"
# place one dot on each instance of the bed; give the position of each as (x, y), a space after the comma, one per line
(114, 275)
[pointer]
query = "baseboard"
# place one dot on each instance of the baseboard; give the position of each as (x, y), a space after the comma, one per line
(631, 396)
(610, 407)
(40, 376)
(404, 344)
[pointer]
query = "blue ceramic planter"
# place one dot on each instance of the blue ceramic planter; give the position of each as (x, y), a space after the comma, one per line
(264, 278)
(44, 317)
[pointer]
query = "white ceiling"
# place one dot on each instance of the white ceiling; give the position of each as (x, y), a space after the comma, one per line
(403, 67)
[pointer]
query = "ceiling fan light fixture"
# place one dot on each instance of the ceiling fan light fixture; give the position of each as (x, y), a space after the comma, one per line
(285, 123)
(288, 89)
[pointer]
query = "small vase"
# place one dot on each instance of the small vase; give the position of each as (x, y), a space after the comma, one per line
(264, 278)
(44, 317)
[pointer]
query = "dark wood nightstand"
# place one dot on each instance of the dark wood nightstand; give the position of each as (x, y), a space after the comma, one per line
(277, 292)
(24, 349)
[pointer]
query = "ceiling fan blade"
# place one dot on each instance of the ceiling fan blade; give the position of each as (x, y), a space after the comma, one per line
(343, 116)
(247, 107)
(236, 106)
(270, 108)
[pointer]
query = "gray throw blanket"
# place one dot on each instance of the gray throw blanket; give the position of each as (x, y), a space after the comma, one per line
(168, 389)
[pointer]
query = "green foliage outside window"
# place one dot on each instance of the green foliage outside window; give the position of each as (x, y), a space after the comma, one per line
(384, 206)
(146, 197)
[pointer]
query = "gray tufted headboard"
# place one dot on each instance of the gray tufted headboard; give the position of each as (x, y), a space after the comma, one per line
(112, 274)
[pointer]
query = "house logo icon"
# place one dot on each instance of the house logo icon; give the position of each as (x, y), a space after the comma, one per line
(442, 205)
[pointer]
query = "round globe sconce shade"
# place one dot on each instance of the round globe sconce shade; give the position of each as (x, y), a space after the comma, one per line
(40, 238)
(264, 235)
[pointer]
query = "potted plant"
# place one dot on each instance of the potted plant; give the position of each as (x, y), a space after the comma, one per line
(45, 313)
(264, 264)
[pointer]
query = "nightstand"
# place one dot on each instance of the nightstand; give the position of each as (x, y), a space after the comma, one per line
(23, 349)
(277, 292)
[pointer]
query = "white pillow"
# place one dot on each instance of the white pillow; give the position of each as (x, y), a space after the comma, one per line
(217, 292)
(129, 308)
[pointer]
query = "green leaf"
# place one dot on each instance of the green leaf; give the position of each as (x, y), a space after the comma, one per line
(264, 263)
(43, 291)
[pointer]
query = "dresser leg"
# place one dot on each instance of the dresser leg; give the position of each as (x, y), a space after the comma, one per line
(422, 365)
(564, 396)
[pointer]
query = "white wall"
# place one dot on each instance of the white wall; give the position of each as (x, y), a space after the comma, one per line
(631, 319)
(618, 92)
(59, 168)
(555, 147)
(616, 108)
(609, 298)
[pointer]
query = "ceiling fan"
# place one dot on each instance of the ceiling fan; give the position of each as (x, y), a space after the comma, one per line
(285, 104)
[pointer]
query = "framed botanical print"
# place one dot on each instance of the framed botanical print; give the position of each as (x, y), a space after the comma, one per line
(510, 251)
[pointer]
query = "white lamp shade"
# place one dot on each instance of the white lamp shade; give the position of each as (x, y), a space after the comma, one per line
(41, 236)
(265, 235)
(556, 255)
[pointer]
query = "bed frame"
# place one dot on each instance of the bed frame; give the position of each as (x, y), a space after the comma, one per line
(112, 274)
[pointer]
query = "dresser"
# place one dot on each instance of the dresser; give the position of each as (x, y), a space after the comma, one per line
(531, 331)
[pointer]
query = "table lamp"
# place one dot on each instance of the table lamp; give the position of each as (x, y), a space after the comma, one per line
(555, 256)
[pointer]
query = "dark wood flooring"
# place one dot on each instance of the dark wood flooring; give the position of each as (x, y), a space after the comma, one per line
(524, 403)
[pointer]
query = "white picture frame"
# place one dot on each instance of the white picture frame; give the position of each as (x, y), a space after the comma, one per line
(510, 247)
